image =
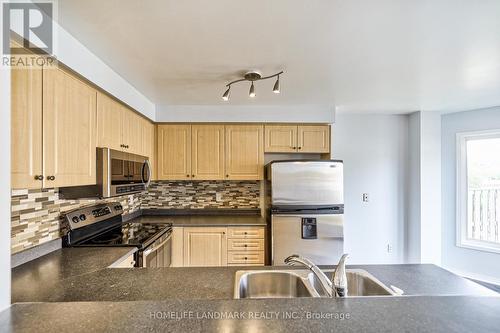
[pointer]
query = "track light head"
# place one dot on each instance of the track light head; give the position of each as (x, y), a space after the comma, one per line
(225, 97)
(251, 93)
(276, 88)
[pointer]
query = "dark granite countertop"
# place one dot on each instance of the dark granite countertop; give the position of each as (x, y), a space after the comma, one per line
(201, 218)
(82, 274)
(391, 314)
(203, 221)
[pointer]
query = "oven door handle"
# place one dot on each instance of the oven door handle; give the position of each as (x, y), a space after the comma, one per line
(148, 251)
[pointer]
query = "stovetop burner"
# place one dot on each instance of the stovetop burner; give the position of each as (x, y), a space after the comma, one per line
(128, 234)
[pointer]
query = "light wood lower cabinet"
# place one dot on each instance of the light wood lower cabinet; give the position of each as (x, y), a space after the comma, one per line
(218, 246)
(205, 247)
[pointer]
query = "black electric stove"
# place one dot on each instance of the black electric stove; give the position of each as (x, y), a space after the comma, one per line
(101, 226)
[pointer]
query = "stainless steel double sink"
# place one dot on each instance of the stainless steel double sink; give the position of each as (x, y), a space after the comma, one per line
(303, 283)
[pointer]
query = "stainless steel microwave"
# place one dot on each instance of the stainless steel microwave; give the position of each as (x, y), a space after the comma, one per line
(120, 173)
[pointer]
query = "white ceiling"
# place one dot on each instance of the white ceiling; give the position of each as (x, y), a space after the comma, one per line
(357, 55)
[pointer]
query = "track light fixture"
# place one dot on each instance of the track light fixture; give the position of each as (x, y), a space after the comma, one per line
(276, 88)
(226, 94)
(252, 77)
(251, 93)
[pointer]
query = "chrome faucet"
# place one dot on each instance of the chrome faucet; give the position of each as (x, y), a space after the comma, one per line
(337, 286)
(339, 277)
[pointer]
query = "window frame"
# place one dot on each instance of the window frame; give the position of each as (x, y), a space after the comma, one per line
(462, 191)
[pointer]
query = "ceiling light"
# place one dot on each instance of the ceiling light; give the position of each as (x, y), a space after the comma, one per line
(226, 94)
(252, 91)
(252, 77)
(276, 88)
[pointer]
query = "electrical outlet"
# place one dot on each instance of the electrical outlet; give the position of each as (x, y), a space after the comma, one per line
(218, 197)
(366, 198)
(389, 248)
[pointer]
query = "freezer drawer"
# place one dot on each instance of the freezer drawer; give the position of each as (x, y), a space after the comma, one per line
(310, 183)
(316, 237)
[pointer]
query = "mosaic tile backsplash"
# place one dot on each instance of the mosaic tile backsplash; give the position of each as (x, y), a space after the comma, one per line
(35, 214)
(201, 195)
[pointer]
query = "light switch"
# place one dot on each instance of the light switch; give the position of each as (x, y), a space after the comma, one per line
(218, 197)
(365, 197)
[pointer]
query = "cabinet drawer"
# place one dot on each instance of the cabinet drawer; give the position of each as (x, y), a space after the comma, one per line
(245, 232)
(252, 244)
(238, 257)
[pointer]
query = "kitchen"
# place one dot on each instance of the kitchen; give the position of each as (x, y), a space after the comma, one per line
(249, 176)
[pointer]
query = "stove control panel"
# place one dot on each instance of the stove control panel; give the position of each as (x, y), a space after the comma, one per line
(101, 211)
(88, 215)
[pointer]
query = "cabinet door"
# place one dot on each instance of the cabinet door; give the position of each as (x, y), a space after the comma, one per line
(174, 152)
(205, 246)
(314, 139)
(280, 138)
(132, 131)
(26, 127)
(207, 152)
(109, 122)
(69, 122)
(147, 141)
(244, 152)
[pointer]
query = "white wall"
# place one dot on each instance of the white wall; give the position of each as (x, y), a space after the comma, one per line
(424, 194)
(413, 235)
(230, 113)
(4, 186)
(375, 153)
(474, 263)
(75, 55)
(430, 194)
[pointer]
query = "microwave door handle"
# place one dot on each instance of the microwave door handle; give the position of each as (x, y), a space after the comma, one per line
(148, 166)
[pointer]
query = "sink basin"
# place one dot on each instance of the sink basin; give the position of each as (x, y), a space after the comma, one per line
(272, 284)
(359, 283)
(303, 283)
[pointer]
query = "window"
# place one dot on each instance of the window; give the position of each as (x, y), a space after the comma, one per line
(478, 190)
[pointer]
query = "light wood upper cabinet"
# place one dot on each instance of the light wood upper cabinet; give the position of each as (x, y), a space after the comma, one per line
(174, 152)
(26, 128)
(120, 128)
(132, 131)
(109, 122)
(314, 138)
(280, 138)
(205, 247)
(148, 137)
(244, 152)
(297, 138)
(207, 152)
(69, 123)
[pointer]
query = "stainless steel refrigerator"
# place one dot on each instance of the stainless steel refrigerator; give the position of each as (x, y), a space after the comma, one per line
(307, 210)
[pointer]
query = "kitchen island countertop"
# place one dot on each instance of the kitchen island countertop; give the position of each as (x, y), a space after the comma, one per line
(82, 274)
